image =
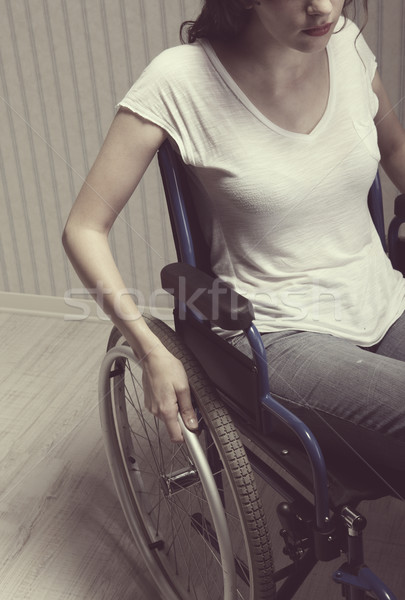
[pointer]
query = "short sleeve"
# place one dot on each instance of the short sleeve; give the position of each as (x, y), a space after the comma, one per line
(160, 95)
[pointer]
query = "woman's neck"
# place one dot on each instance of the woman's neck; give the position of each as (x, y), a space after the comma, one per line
(283, 67)
(256, 53)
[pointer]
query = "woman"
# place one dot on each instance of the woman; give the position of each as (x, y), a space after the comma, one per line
(278, 111)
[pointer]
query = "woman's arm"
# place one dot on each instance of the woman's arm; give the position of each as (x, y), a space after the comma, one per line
(391, 137)
(127, 151)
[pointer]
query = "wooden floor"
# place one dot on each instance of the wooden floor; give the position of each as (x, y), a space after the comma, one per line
(62, 532)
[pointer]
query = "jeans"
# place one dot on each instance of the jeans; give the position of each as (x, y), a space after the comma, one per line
(331, 383)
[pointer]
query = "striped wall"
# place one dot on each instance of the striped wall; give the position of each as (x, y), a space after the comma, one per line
(63, 66)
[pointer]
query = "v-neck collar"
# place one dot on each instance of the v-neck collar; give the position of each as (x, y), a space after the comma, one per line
(236, 90)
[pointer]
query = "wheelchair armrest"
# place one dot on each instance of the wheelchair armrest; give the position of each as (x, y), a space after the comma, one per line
(399, 207)
(212, 298)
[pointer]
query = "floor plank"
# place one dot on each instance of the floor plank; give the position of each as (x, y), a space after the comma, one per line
(62, 530)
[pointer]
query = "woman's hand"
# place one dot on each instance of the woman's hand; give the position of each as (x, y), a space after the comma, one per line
(167, 391)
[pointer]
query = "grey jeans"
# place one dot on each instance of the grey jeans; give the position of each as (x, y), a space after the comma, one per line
(331, 383)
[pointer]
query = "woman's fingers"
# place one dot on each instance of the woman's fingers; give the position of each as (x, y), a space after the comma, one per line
(179, 402)
(172, 425)
(186, 409)
(167, 392)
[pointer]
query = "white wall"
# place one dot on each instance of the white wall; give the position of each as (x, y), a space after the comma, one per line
(63, 66)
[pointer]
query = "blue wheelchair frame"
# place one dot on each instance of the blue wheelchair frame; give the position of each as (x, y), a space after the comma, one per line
(354, 576)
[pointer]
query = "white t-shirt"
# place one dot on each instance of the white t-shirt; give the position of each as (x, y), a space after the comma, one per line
(285, 213)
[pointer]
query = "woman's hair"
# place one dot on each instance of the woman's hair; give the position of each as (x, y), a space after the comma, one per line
(225, 19)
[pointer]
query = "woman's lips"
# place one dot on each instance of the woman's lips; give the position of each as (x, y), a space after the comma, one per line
(319, 31)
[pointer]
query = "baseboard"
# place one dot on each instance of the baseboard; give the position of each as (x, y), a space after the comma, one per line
(68, 309)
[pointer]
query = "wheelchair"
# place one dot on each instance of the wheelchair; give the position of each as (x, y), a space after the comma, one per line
(197, 510)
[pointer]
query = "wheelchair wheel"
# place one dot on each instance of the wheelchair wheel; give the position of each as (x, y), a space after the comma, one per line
(162, 491)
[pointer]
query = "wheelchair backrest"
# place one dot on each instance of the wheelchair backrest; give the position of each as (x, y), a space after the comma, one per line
(190, 244)
(375, 206)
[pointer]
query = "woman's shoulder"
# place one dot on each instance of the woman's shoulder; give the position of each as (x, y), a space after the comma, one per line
(346, 31)
(178, 58)
(350, 47)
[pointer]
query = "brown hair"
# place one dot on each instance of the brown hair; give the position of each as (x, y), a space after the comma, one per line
(225, 19)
